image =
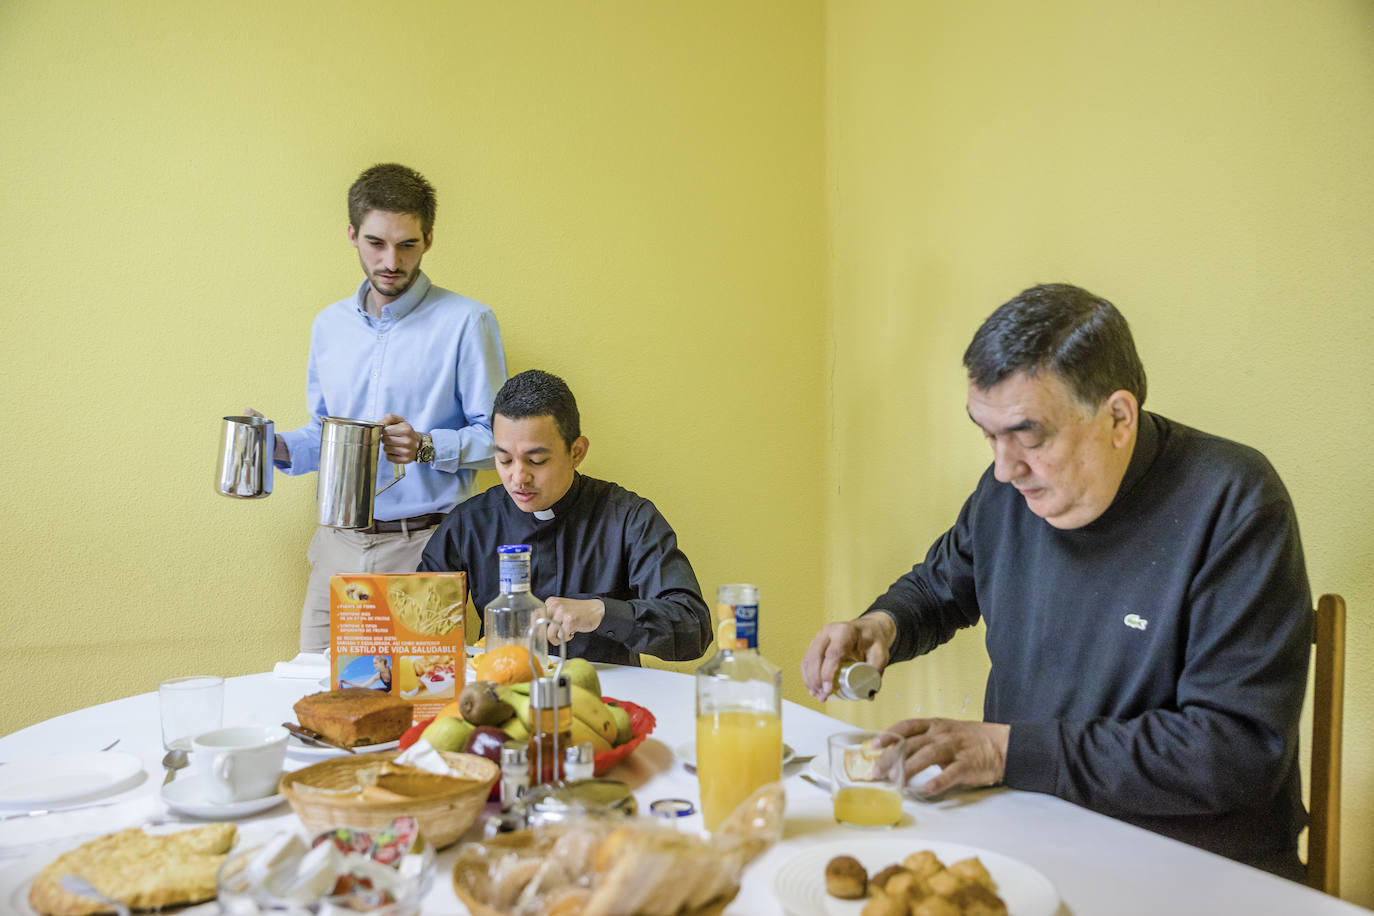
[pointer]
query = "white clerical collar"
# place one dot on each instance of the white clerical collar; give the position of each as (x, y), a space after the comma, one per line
(543, 514)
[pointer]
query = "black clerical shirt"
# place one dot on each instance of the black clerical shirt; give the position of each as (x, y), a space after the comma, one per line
(602, 541)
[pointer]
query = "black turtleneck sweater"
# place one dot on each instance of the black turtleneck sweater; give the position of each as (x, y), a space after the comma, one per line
(1151, 664)
(602, 542)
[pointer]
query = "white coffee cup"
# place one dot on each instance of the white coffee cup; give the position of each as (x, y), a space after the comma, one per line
(241, 763)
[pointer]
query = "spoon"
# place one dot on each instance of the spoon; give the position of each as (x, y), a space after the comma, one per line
(75, 884)
(173, 760)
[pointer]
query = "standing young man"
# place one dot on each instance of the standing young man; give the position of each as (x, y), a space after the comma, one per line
(423, 360)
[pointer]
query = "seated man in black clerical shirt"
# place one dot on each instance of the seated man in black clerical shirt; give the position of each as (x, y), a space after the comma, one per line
(1143, 586)
(605, 562)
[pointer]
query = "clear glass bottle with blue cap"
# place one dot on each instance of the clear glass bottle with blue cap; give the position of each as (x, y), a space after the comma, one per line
(507, 617)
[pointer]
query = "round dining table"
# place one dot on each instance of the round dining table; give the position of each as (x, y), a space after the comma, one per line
(1092, 864)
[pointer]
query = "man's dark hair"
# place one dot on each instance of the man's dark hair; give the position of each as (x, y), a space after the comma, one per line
(1064, 329)
(395, 189)
(536, 393)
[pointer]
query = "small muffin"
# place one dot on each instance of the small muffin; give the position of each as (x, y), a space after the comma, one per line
(905, 884)
(974, 869)
(923, 864)
(977, 900)
(845, 878)
(881, 878)
(935, 906)
(885, 905)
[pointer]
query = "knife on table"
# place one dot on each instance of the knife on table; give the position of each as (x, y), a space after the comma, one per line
(314, 737)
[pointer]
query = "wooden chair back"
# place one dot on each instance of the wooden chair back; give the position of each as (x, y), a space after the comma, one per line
(1328, 714)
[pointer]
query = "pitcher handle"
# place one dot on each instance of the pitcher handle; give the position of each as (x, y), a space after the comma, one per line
(399, 471)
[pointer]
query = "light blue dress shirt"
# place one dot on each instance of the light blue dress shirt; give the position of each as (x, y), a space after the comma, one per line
(433, 357)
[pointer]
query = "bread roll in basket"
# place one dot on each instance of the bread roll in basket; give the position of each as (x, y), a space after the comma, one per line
(610, 866)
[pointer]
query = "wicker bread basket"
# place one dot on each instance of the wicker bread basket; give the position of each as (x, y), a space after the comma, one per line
(470, 878)
(443, 817)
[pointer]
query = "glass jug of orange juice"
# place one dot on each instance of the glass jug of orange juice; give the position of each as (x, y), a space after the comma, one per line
(739, 710)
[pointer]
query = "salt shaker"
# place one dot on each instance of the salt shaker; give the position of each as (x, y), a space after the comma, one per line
(579, 762)
(515, 773)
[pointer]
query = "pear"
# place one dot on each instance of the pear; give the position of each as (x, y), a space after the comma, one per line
(448, 734)
(582, 673)
(621, 718)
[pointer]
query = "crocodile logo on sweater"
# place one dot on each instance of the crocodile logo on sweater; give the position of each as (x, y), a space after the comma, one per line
(1136, 621)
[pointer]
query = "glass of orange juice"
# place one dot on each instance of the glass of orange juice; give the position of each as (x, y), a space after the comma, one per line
(867, 775)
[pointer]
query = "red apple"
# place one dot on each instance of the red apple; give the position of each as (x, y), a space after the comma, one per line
(487, 741)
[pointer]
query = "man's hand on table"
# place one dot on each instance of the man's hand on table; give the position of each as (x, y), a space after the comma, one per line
(972, 754)
(869, 637)
(571, 616)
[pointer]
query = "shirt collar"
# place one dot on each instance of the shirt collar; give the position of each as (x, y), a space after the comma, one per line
(402, 306)
(564, 505)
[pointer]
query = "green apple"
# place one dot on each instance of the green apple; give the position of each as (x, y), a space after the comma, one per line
(448, 734)
(583, 674)
(621, 718)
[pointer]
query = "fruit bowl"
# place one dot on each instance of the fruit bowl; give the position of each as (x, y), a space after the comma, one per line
(642, 722)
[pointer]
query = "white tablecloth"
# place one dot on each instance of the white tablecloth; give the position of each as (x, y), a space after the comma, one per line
(1097, 864)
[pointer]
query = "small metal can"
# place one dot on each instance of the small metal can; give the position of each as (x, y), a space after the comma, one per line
(857, 681)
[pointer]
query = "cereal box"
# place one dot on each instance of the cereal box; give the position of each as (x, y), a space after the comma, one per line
(402, 634)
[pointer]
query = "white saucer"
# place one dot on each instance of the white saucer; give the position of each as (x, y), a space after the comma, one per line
(298, 748)
(820, 769)
(186, 796)
(687, 753)
(67, 778)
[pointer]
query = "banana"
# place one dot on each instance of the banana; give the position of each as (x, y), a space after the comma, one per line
(520, 702)
(515, 729)
(588, 707)
(581, 732)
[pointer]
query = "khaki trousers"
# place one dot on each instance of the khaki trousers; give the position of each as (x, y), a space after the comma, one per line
(342, 550)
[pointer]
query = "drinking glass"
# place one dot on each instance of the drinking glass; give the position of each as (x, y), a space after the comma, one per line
(867, 774)
(189, 706)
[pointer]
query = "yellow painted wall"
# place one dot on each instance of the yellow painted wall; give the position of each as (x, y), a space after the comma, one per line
(755, 237)
(633, 188)
(1207, 166)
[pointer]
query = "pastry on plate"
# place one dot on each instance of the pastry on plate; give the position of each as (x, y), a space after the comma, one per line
(141, 870)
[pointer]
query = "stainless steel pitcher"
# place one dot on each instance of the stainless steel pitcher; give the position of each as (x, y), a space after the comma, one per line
(347, 481)
(246, 445)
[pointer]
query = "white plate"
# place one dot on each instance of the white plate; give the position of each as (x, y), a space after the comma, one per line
(687, 753)
(800, 883)
(16, 875)
(298, 748)
(67, 778)
(187, 796)
(820, 769)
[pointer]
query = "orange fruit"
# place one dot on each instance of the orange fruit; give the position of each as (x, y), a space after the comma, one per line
(451, 711)
(506, 665)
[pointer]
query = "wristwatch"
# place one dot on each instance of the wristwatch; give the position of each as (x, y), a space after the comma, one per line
(425, 453)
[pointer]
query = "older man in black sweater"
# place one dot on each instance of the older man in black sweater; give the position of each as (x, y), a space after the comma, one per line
(1143, 585)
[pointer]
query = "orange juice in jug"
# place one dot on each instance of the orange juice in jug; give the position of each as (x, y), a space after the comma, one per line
(739, 711)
